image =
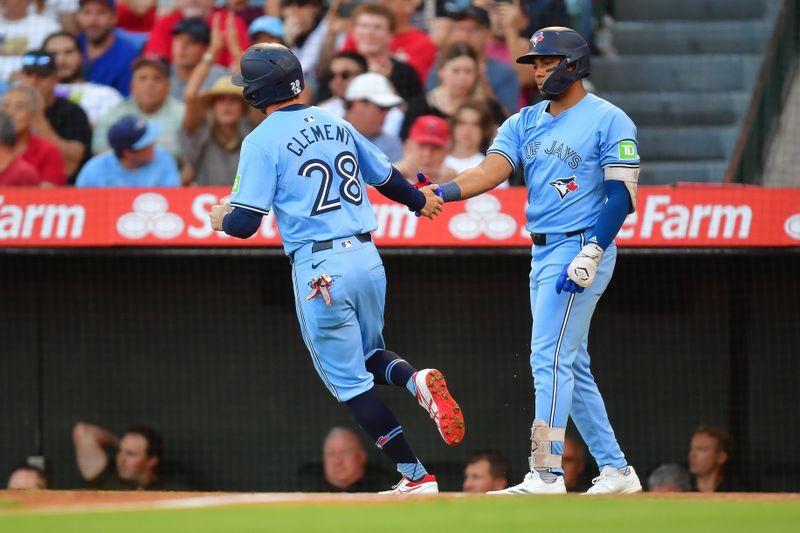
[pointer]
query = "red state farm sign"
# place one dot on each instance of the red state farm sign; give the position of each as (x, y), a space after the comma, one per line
(684, 216)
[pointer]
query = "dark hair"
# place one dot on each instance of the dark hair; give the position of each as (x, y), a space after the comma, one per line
(66, 34)
(487, 124)
(8, 135)
(375, 9)
(355, 57)
(723, 438)
(498, 464)
(155, 444)
(453, 51)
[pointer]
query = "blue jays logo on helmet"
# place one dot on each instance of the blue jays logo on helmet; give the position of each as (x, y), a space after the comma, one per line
(564, 186)
(558, 41)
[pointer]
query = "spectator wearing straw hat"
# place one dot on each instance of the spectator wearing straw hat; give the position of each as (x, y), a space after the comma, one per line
(135, 160)
(214, 126)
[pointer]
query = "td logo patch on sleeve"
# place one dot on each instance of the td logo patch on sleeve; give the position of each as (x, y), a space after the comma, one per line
(236, 184)
(627, 150)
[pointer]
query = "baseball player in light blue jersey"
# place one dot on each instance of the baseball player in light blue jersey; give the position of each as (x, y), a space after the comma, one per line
(581, 164)
(312, 169)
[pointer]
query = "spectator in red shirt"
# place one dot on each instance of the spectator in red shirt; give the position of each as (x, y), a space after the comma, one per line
(160, 41)
(14, 171)
(244, 10)
(21, 104)
(136, 16)
(410, 44)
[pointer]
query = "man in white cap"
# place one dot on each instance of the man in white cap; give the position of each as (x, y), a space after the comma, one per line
(368, 99)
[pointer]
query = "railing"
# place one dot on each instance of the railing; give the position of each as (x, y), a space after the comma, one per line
(769, 95)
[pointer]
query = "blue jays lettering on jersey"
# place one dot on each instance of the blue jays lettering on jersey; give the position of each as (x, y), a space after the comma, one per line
(564, 158)
(311, 167)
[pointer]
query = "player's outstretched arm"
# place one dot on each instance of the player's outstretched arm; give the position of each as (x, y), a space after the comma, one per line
(424, 200)
(492, 171)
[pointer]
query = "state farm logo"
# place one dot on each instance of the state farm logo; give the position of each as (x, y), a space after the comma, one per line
(792, 227)
(482, 217)
(32, 221)
(150, 216)
(663, 218)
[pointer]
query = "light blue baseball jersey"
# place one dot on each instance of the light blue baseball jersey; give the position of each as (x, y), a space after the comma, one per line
(310, 166)
(564, 158)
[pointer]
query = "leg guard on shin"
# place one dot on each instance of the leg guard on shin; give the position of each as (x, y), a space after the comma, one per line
(541, 438)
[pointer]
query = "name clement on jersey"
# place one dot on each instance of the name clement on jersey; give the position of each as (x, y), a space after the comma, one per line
(557, 149)
(317, 133)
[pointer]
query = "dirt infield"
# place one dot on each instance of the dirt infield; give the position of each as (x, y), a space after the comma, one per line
(83, 500)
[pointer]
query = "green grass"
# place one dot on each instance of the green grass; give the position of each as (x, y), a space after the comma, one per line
(468, 515)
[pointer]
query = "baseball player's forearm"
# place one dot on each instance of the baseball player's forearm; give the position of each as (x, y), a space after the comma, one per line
(398, 189)
(492, 171)
(613, 213)
(581, 271)
(241, 223)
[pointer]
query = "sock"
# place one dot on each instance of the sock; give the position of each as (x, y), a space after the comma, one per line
(411, 386)
(388, 368)
(378, 421)
(413, 471)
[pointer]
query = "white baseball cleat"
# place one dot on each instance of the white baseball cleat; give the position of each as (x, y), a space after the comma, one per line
(534, 484)
(434, 397)
(426, 485)
(611, 481)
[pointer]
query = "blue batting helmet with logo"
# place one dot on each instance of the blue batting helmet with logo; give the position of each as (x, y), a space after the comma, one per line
(270, 73)
(563, 42)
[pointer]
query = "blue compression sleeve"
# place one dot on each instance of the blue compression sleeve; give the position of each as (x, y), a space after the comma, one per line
(242, 223)
(613, 213)
(451, 192)
(398, 188)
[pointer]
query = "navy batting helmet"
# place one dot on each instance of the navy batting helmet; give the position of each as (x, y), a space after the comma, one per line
(270, 73)
(564, 42)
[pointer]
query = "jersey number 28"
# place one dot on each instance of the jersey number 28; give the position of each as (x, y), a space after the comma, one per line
(349, 189)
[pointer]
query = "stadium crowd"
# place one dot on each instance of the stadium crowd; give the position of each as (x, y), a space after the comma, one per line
(104, 93)
(134, 460)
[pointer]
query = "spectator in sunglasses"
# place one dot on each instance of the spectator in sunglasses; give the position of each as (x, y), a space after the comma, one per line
(344, 67)
(58, 120)
(94, 98)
